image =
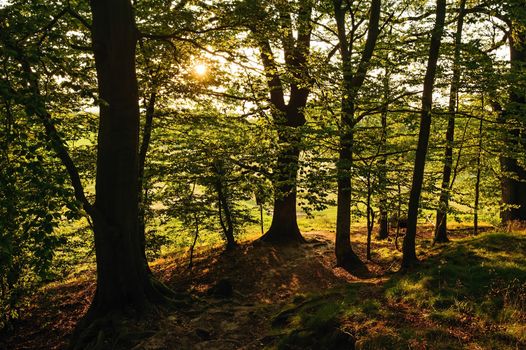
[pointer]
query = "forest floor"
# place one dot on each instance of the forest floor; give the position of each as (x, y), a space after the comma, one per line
(469, 294)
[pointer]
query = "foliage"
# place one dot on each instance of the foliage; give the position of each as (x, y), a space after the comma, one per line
(212, 156)
(34, 201)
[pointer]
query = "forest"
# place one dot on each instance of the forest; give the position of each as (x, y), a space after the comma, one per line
(262, 174)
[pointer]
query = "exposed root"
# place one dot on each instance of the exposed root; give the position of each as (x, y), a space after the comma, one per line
(282, 237)
(120, 327)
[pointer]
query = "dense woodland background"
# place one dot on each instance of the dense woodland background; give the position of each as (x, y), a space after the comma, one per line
(137, 130)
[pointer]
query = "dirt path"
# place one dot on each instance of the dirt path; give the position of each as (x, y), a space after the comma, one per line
(263, 279)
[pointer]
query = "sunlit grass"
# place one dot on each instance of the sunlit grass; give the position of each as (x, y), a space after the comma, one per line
(473, 292)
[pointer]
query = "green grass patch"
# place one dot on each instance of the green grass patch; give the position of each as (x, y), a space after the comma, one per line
(471, 294)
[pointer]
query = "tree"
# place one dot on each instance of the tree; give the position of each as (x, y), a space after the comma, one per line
(124, 281)
(288, 117)
(383, 232)
(443, 203)
(409, 250)
(514, 171)
(352, 82)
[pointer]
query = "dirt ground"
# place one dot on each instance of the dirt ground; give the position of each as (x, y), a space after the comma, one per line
(235, 294)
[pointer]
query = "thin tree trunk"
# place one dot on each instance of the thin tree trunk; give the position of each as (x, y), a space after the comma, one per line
(345, 256)
(143, 151)
(194, 242)
(223, 205)
(477, 182)
(443, 203)
(398, 213)
(383, 233)
(370, 216)
(261, 218)
(409, 246)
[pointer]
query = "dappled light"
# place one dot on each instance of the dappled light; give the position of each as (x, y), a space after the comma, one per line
(262, 174)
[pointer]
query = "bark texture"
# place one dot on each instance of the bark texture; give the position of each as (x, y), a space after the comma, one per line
(409, 249)
(513, 182)
(443, 202)
(352, 83)
(125, 285)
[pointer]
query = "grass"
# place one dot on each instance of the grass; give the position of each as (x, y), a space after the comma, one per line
(470, 295)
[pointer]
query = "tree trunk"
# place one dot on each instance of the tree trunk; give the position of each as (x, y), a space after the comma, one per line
(284, 227)
(383, 232)
(345, 256)
(224, 206)
(143, 151)
(409, 248)
(477, 181)
(513, 182)
(288, 117)
(124, 282)
(370, 215)
(443, 203)
(398, 214)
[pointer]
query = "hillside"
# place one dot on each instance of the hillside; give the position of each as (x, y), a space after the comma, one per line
(470, 296)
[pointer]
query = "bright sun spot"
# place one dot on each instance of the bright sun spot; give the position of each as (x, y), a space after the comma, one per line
(200, 69)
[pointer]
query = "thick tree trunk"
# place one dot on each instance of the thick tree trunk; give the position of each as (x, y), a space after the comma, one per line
(443, 203)
(409, 248)
(345, 256)
(513, 186)
(284, 227)
(513, 182)
(124, 282)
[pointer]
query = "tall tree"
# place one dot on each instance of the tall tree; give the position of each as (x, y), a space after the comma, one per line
(409, 249)
(513, 183)
(383, 231)
(352, 83)
(124, 281)
(443, 202)
(288, 116)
